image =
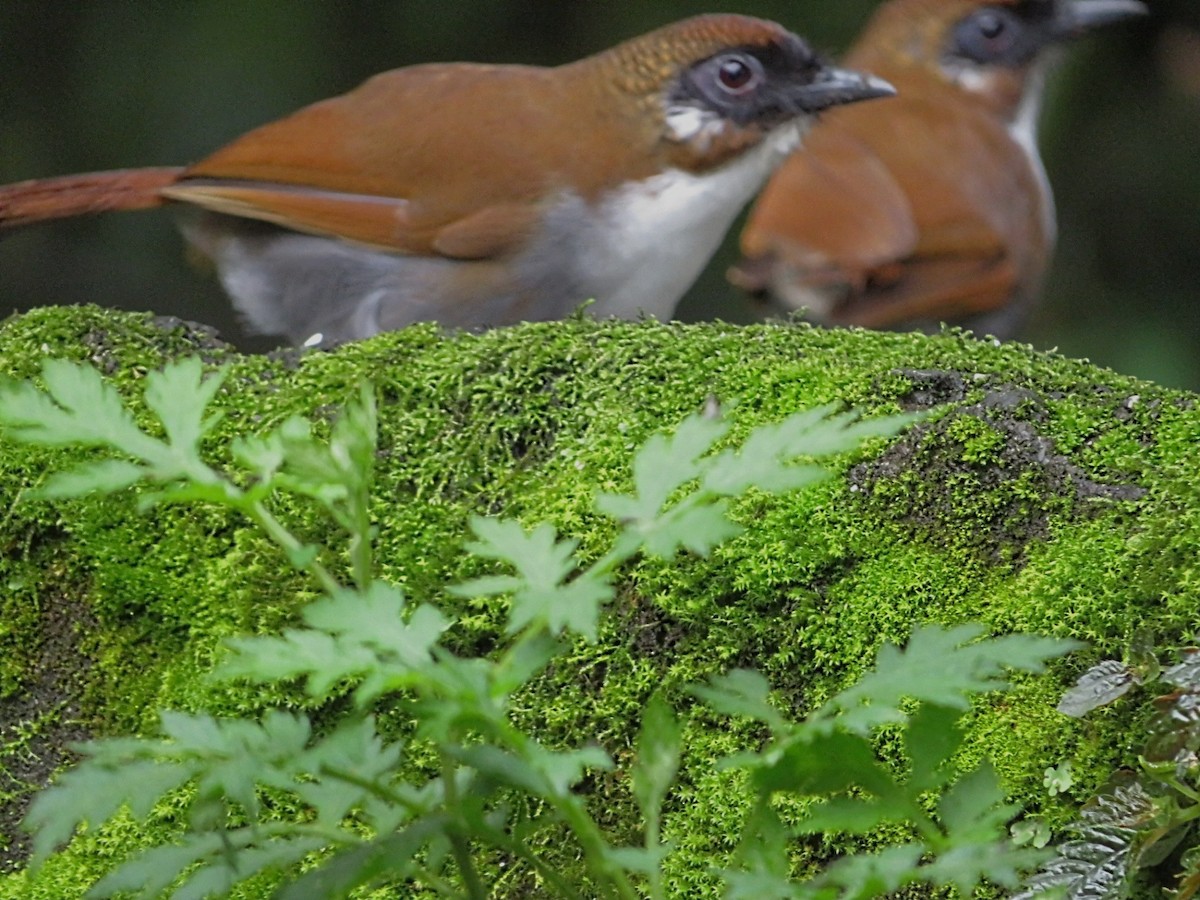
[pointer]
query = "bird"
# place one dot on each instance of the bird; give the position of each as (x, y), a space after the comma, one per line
(481, 195)
(936, 207)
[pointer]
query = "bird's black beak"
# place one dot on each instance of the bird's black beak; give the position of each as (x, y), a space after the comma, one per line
(833, 87)
(1081, 16)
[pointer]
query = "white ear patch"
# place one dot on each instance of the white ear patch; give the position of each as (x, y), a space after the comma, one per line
(684, 123)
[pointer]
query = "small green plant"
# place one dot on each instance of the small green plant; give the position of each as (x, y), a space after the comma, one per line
(1059, 779)
(960, 841)
(1144, 819)
(365, 817)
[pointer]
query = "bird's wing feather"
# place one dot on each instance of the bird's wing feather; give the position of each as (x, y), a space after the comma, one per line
(395, 164)
(870, 215)
(832, 207)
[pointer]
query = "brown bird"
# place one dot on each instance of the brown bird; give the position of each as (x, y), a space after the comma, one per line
(485, 195)
(932, 207)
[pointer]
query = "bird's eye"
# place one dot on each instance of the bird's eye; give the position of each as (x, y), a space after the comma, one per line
(988, 36)
(991, 26)
(738, 74)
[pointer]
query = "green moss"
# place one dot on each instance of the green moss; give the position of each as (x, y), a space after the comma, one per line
(1040, 498)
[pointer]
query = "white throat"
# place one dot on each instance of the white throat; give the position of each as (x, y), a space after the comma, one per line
(651, 239)
(1024, 131)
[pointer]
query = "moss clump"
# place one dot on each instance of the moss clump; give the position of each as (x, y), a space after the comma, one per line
(1046, 496)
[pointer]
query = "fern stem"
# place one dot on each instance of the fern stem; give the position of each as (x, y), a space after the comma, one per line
(594, 846)
(460, 845)
(288, 542)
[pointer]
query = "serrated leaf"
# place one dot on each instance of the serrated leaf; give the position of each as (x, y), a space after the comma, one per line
(77, 407)
(850, 815)
(337, 474)
(543, 591)
(379, 619)
(227, 870)
(235, 756)
(487, 586)
(215, 492)
(742, 692)
(388, 856)
(638, 859)
(661, 466)
(658, 747)
(931, 738)
(763, 461)
(762, 854)
(355, 435)
(179, 394)
(528, 656)
(105, 476)
(853, 430)
(94, 791)
(564, 769)
(539, 557)
(868, 875)
(339, 762)
(546, 774)
(940, 667)
(1098, 686)
(506, 768)
(195, 733)
(697, 527)
(973, 809)
(298, 653)
(574, 606)
(968, 866)
(826, 763)
(261, 454)
(152, 871)
(758, 885)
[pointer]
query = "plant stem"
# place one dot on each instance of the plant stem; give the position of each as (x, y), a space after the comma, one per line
(1193, 811)
(283, 538)
(459, 844)
(504, 842)
(653, 841)
(595, 848)
(375, 788)
(361, 558)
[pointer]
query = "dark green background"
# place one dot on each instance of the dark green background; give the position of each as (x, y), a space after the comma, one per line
(87, 86)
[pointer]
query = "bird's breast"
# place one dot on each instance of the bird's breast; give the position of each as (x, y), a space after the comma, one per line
(640, 246)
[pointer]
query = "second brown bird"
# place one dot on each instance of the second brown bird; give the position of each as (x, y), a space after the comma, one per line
(933, 206)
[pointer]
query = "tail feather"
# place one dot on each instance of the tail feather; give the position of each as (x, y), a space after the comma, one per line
(78, 195)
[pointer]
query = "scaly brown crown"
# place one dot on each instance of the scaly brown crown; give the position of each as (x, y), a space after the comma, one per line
(709, 88)
(645, 65)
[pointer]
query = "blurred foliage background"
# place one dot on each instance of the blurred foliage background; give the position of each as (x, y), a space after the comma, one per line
(119, 83)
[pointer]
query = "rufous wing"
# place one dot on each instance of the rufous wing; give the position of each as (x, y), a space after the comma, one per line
(871, 215)
(832, 213)
(407, 162)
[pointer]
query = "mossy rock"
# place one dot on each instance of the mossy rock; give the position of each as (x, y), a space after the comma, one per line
(1042, 496)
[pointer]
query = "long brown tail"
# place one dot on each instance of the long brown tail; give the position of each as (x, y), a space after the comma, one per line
(78, 195)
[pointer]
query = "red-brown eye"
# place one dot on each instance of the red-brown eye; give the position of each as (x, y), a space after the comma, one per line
(738, 74)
